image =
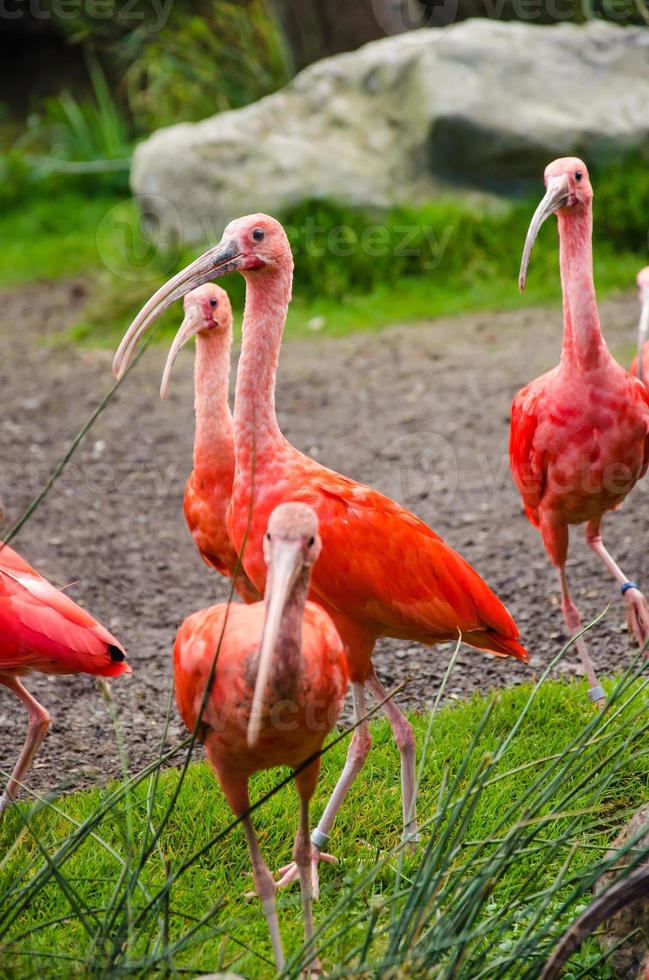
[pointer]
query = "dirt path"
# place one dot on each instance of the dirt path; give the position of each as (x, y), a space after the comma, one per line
(424, 419)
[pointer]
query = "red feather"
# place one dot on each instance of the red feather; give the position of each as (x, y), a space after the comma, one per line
(42, 629)
(381, 567)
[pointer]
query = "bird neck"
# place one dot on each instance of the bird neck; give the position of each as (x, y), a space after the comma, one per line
(213, 432)
(583, 343)
(289, 637)
(255, 423)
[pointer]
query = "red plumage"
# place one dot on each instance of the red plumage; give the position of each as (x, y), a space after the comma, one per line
(578, 444)
(208, 317)
(579, 438)
(278, 680)
(42, 629)
(382, 572)
(316, 693)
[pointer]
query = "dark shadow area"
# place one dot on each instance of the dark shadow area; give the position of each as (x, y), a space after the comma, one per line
(36, 61)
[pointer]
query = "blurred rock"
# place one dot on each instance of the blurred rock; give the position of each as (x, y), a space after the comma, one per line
(480, 105)
(631, 960)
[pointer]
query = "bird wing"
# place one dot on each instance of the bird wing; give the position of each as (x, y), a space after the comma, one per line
(41, 628)
(393, 570)
(527, 464)
(641, 396)
(219, 639)
(324, 663)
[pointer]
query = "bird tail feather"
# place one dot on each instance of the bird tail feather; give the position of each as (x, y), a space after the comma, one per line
(502, 646)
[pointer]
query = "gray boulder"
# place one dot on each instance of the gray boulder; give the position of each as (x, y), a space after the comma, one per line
(480, 104)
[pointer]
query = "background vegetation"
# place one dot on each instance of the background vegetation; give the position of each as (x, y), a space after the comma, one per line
(438, 259)
(64, 169)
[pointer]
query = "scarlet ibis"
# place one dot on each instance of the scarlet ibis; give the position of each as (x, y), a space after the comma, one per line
(640, 364)
(580, 433)
(279, 681)
(43, 629)
(208, 317)
(382, 571)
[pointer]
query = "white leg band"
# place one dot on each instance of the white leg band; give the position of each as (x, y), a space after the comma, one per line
(597, 693)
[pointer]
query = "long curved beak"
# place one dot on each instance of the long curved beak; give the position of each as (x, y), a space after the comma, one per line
(286, 564)
(191, 325)
(556, 196)
(215, 262)
(643, 331)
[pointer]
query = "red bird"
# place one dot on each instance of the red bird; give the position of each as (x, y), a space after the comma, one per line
(382, 572)
(640, 364)
(279, 682)
(208, 317)
(42, 629)
(580, 433)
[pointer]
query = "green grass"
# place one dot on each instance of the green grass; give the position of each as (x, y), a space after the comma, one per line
(51, 238)
(537, 816)
(73, 136)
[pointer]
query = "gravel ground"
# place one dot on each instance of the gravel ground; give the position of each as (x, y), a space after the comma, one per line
(421, 412)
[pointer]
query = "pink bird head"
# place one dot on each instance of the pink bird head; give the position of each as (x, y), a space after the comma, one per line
(251, 244)
(293, 525)
(209, 306)
(569, 182)
(254, 244)
(567, 186)
(207, 312)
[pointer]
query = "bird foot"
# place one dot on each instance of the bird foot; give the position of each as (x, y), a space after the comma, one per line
(290, 872)
(637, 616)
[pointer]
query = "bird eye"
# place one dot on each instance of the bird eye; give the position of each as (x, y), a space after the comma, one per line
(311, 542)
(258, 235)
(213, 303)
(268, 535)
(578, 175)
